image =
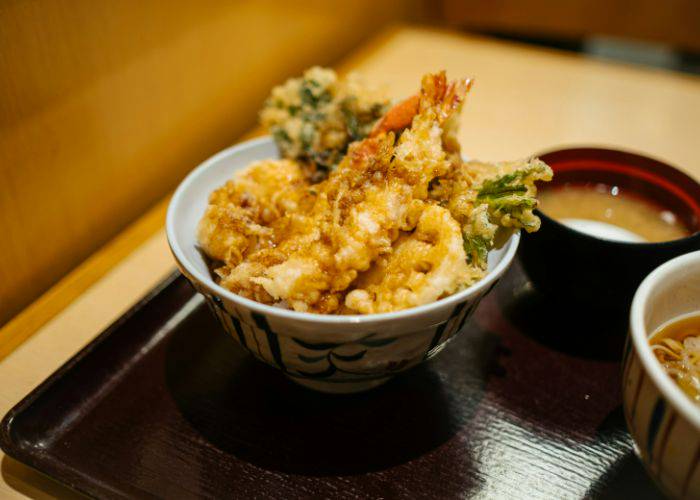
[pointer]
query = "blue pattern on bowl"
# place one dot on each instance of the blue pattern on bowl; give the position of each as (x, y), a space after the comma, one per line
(338, 362)
(325, 352)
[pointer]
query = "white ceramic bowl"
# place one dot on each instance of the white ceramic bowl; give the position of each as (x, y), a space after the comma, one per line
(325, 352)
(663, 421)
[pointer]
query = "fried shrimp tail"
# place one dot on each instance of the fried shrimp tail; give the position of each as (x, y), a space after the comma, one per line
(398, 117)
(435, 91)
(399, 221)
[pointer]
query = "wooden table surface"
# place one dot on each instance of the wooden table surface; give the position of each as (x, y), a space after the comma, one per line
(525, 100)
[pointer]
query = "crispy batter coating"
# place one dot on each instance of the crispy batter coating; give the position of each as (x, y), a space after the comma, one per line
(424, 266)
(401, 221)
(358, 212)
(241, 212)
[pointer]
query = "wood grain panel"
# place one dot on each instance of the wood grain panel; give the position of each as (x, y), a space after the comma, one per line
(675, 22)
(104, 107)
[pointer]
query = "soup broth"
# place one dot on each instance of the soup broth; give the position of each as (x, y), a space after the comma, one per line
(609, 205)
(677, 347)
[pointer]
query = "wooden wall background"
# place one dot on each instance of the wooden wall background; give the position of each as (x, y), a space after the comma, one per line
(673, 22)
(104, 107)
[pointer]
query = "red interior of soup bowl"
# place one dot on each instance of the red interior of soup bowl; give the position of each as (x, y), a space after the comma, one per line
(651, 180)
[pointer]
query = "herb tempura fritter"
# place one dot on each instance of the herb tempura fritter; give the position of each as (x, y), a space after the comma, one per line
(314, 118)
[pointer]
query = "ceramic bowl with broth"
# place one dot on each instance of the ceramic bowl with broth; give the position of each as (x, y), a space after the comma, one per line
(608, 219)
(663, 415)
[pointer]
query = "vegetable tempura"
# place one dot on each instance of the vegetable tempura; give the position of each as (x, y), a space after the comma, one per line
(401, 220)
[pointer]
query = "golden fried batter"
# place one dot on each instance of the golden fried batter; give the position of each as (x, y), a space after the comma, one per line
(425, 265)
(240, 213)
(358, 212)
(400, 222)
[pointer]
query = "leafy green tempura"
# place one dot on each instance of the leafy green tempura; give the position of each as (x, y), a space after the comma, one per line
(314, 118)
(476, 248)
(479, 234)
(502, 203)
(511, 197)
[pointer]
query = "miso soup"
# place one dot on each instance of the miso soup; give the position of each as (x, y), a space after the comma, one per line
(607, 212)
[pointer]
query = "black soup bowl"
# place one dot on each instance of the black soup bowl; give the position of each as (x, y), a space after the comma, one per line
(597, 277)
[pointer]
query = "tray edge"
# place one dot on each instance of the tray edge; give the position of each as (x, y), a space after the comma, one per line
(22, 454)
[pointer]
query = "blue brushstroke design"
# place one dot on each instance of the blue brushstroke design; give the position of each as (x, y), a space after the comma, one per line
(376, 342)
(214, 309)
(467, 314)
(349, 357)
(239, 330)
(219, 303)
(311, 359)
(272, 340)
(436, 339)
(315, 347)
(657, 416)
(440, 329)
(457, 310)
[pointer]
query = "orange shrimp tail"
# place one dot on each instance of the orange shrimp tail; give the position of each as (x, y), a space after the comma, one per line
(445, 97)
(398, 117)
(435, 92)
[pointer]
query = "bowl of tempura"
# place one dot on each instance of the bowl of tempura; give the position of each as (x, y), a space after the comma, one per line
(355, 241)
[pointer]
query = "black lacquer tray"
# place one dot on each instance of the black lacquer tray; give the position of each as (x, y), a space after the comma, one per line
(524, 403)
